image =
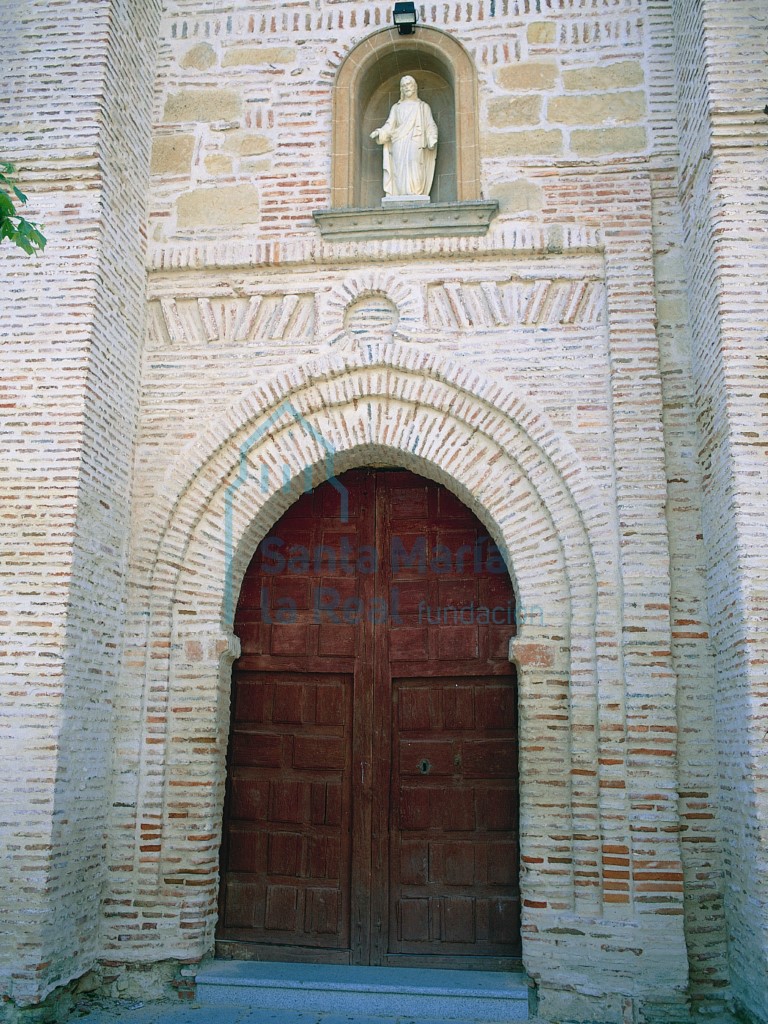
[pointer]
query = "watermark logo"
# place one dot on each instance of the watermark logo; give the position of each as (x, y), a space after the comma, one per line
(410, 558)
(244, 472)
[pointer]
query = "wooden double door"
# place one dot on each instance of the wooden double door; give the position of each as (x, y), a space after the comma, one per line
(371, 812)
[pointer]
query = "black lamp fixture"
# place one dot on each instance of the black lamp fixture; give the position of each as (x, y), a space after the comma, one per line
(404, 17)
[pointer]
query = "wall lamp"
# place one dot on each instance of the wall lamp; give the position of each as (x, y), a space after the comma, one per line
(404, 17)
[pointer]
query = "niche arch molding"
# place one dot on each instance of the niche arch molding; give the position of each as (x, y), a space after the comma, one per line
(378, 56)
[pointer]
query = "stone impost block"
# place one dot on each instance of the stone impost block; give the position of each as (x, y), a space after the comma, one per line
(605, 141)
(514, 110)
(528, 76)
(540, 142)
(172, 154)
(623, 107)
(621, 75)
(227, 206)
(205, 104)
(534, 655)
(251, 56)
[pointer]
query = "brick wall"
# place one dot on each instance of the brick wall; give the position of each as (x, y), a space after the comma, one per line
(582, 349)
(72, 322)
(723, 84)
(557, 305)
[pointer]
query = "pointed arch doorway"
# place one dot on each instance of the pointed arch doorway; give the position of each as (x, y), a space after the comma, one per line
(371, 814)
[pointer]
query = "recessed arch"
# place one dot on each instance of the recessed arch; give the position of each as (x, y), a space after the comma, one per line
(319, 619)
(363, 89)
(383, 405)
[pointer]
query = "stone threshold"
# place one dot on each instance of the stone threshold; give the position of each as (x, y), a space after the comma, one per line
(429, 993)
(432, 220)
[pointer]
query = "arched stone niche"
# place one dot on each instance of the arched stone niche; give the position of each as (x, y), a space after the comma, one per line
(367, 85)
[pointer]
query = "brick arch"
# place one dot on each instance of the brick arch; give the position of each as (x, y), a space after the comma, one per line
(384, 405)
(402, 373)
(402, 293)
(430, 49)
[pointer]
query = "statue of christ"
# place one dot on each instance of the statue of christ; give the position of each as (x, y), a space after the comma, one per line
(409, 138)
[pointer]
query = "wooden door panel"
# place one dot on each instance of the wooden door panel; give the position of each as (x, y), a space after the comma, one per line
(287, 850)
(457, 643)
(452, 741)
(371, 811)
(453, 875)
(292, 598)
(461, 925)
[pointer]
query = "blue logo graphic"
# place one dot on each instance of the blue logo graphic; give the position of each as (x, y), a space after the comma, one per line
(244, 474)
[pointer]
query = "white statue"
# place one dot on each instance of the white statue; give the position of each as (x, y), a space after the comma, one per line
(409, 138)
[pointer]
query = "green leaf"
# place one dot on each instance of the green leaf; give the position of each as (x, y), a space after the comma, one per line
(26, 235)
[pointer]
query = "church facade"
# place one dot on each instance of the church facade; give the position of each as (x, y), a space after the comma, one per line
(385, 583)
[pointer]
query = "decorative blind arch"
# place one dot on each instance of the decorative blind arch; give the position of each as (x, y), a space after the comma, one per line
(429, 54)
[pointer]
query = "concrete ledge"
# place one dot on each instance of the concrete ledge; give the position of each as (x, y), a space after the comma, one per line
(437, 220)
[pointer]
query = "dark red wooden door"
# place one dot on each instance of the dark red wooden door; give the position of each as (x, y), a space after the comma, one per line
(372, 799)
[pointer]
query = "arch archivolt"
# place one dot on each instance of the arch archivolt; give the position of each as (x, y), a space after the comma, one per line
(398, 406)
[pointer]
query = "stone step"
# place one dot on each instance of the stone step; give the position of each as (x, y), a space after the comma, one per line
(468, 996)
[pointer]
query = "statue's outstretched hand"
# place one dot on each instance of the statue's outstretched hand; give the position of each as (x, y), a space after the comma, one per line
(375, 134)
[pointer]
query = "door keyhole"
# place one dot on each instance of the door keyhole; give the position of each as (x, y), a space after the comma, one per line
(424, 766)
